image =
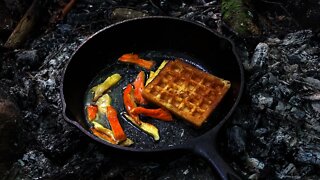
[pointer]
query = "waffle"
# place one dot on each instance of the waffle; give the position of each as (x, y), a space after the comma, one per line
(186, 91)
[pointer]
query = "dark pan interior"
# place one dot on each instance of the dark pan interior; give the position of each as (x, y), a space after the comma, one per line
(156, 38)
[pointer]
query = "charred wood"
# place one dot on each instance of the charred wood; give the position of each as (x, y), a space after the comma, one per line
(26, 25)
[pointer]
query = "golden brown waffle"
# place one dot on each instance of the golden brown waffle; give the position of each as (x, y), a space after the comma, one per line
(186, 91)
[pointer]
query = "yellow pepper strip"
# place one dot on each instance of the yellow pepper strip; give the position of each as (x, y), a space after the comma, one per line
(107, 135)
(103, 102)
(101, 88)
(151, 77)
(154, 74)
(127, 142)
(146, 127)
(103, 136)
(103, 130)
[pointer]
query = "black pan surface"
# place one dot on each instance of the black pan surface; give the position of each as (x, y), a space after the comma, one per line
(156, 38)
(172, 133)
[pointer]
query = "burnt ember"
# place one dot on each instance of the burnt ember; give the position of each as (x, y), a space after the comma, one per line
(273, 134)
(279, 132)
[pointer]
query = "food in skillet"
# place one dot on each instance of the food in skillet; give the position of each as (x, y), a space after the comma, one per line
(135, 59)
(175, 87)
(159, 113)
(101, 106)
(114, 136)
(103, 102)
(107, 135)
(101, 88)
(138, 88)
(130, 104)
(186, 91)
(92, 112)
(154, 74)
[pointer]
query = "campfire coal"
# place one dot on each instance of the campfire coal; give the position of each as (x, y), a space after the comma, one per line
(274, 133)
(281, 120)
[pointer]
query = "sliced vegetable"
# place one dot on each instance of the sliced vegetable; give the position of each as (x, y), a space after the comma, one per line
(106, 134)
(103, 136)
(151, 77)
(135, 59)
(92, 112)
(138, 88)
(126, 142)
(103, 102)
(160, 113)
(154, 74)
(146, 127)
(103, 130)
(129, 103)
(101, 88)
(115, 124)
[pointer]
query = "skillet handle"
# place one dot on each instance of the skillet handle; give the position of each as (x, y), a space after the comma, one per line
(206, 148)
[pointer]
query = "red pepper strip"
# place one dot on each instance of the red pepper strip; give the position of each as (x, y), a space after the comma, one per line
(138, 88)
(115, 124)
(92, 112)
(129, 103)
(159, 113)
(103, 136)
(134, 58)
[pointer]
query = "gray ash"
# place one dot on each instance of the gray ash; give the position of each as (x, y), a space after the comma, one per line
(274, 133)
(281, 127)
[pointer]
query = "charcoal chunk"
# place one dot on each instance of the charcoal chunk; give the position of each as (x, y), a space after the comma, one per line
(316, 106)
(262, 101)
(27, 58)
(309, 154)
(260, 56)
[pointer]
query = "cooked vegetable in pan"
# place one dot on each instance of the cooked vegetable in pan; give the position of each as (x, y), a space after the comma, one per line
(101, 88)
(138, 88)
(146, 127)
(154, 74)
(103, 102)
(159, 113)
(135, 59)
(134, 118)
(117, 130)
(92, 112)
(100, 110)
(98, 127)
(100, 107)
(107, 135)
(128, 100)
(136, 108)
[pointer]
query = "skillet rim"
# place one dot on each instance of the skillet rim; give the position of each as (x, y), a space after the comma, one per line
(210, 132)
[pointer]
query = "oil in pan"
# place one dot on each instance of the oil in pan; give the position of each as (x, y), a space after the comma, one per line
(171, 133)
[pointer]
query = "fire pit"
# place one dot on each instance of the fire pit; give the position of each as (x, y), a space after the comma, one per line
(274, 133)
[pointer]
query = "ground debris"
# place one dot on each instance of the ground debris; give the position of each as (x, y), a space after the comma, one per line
(274, 132)
(284, 97)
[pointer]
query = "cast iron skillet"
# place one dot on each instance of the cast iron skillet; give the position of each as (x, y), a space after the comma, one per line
(156, 38)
